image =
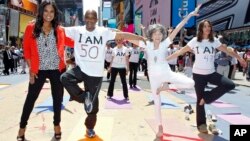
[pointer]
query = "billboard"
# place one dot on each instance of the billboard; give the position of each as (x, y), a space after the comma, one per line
(29, 5)
(14, 23)
(226, 14)
(24, 20)
(181, 8)
(2, 30)
(156, 11)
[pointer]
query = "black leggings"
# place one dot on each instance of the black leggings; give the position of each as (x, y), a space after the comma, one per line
(133, 73)
(34, 91)
(223, 85)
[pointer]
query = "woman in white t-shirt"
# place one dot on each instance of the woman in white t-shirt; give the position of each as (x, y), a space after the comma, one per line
(204, 46)
(158, 68)
(119, 64)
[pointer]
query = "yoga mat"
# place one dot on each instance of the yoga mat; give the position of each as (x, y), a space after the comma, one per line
(165, 102)
(235, 118)
(103, 130)
(47, 105)
(174, 130)
(218, 103)
(117, 102)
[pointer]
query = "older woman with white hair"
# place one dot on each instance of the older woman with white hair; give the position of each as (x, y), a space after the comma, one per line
(158, 68)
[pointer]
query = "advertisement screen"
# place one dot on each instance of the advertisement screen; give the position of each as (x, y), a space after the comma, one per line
(181, 8)
(2, 30)
(226, 14)
(30, 5)
(24, 20)
(156, 11)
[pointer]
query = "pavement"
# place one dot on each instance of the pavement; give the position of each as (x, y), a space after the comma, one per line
(123, 121)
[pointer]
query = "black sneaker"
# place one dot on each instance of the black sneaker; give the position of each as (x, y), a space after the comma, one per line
(88, 102)
(90, 133)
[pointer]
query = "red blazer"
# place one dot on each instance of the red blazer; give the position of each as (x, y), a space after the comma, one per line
(31, 49)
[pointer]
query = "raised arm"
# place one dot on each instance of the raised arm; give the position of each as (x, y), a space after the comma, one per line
(230, 51)
(142, 27)
(130, 37)
(183, 22)
(179, 52)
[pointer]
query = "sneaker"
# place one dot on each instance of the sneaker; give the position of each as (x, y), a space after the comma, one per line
(130, 87)
(88, 102)
(213, 129)
(127, 99)
(203, 128)
(90, 133)
(109, 97)
(214, 119)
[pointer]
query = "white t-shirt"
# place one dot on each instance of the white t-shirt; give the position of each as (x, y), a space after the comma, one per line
(172, 61)
(134, 54)
(156, 56)
(119, 55)
(204, 55)
(89, 48)
(108, 54)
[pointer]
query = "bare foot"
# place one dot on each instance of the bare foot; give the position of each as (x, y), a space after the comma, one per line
(202, 102)
(164, 86)
(160, 132)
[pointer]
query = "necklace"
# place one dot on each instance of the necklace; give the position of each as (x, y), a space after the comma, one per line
(155, 55)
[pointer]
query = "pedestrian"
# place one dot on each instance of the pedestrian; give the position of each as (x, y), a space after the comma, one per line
(89, 48)
(119, 64)
(43, 44)
(159, 71)
(204, 46)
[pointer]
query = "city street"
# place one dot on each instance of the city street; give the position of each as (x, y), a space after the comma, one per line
(119, 120)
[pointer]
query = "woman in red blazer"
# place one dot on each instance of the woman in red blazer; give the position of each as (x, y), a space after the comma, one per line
(43, 43)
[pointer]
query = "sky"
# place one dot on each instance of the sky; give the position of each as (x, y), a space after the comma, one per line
(90, 4)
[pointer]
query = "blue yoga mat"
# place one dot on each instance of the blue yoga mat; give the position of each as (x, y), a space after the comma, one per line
(165, 102)
(47, 105)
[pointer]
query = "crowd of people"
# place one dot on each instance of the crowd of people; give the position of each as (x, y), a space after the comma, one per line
(205, 59)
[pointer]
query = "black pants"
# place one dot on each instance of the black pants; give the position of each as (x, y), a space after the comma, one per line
(133, 73)
(122, 73)
(70, 80)
(223, 85)
(34, 90)
(106, 66)
(172, 67)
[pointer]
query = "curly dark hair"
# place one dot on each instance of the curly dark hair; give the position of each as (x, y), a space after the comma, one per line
(39, 18)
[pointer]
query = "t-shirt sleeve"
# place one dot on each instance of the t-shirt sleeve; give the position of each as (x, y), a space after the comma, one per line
(192, 43)
(167, 41)
(70, 32)
(217, 43)
(109, 34)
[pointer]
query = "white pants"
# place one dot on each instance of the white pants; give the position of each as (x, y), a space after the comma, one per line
(160, 74)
